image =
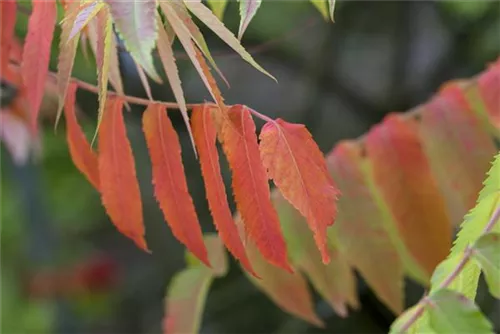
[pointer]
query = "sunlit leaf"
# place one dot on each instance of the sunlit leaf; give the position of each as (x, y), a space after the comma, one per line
(135, 21)
(487, 254)
(250, 187)
(205, 139)
(248, 9)
(169, 180)
(211, 21)
(118, 183)
(297, 167)
(81, 153)
(87, 12)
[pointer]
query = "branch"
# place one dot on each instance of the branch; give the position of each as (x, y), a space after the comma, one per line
(454, 274)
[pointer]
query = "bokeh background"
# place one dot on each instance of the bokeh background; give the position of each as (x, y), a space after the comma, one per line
(337, 79)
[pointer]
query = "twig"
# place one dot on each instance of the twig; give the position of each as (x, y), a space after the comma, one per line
(451, 277)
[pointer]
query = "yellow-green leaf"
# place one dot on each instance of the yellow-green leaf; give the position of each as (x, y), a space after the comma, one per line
(218, 7)
(451, 312)
(486, 251)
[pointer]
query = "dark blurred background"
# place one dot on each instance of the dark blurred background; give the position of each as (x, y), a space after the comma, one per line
(337, 79)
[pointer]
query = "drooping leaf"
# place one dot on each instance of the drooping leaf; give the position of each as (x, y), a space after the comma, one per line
(331, 7)
(471, 229)
(170, 184)
(401, 171)
(363, 224)
(451, 312)
(167, 59)
(87, 12)
(36, 54)
(211, 21)
(487, 254)
(104, 40)
(286, 289)
(489, 90)
(218, 7)
(81, 153)
(8, 15)
(297, 167)
(135, 20)
(458, 148)
(205, 139)
(180, 9)
(67, 53)
(119, 188)
(248, 9)
(184, 36)
(114, 75)
(188, 290)
(335, 282)
(144, 80)
(250, 187)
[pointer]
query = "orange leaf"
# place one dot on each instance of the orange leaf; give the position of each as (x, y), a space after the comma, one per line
(250, 187)
(36, 53)
(458, 148)
(170, 183)
(298, 168)
(205, 139)
(288, 290)
(118, 183)
(81, 153)
(361, 234)
(401, 171)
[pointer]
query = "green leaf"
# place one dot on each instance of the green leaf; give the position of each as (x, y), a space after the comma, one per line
(188, 289)
(218, 7)
(451, 312)
(486, 251)
(331, 8)
(248, 9)
(135, 20)
(322, 7)
(335, 282)
(419, 326)
(471, 229)
(212, 22)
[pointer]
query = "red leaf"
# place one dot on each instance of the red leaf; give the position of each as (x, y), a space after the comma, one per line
(401, 170)
(298, 168)
(8, 9)
(489, 88)
(458, 148)
(118, 183)
(169, 181)
(205, 138)
(250, 187)
(36, 53)
(81, 152)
